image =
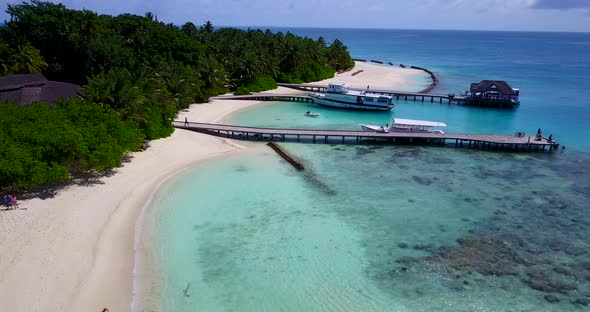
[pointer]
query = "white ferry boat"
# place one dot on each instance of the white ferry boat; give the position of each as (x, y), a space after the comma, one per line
(407, 125)
(340, 95)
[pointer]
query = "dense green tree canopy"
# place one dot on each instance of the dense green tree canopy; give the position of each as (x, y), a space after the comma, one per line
(137, 72)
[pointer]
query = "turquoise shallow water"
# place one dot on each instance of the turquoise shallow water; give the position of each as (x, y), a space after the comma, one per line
(459, 119)
(369, 228)
(394, 228)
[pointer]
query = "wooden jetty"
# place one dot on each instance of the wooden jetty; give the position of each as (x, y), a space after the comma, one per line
(286, 156)
(267, 97)
(398, 95)
(476, 141)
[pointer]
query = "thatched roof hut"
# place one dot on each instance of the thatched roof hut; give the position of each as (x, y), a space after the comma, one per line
(495, 86)
(493, 93)
(25, 89)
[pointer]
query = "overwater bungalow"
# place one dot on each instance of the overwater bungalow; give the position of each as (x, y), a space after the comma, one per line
(494, 93)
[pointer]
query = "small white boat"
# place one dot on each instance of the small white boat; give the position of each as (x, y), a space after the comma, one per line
(342, 96)
(407, 125)
(311, 114)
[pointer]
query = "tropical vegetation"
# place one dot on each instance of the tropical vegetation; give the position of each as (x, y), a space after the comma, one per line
(137, 72)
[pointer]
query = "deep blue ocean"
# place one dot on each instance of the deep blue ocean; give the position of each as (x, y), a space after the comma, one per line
(395, 228)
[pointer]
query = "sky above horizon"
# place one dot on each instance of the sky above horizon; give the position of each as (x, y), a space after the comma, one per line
(519, 15)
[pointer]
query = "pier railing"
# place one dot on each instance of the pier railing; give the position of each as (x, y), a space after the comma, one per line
(478, 141)
(398, 95)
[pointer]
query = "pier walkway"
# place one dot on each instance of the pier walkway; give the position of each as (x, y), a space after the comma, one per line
(266, 97)
(477, 141)
(398, 95)
(406, 96)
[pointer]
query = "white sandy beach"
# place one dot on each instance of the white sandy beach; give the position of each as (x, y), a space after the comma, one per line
(383, 77)
(74, 252)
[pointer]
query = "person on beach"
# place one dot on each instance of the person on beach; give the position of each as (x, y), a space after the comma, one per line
(6, 200)
(185, 121)
(14, 202)
(10, 201)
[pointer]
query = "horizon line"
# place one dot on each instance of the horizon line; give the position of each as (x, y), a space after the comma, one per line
(3, 23)
(414, 29)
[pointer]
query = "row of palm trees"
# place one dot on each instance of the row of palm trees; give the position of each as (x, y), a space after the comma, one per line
(134, 64)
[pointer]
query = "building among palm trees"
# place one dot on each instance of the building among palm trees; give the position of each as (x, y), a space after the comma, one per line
(24, 89)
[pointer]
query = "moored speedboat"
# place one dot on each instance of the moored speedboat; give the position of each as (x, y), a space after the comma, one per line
(341, 96)
(407, 125)
(311, 114)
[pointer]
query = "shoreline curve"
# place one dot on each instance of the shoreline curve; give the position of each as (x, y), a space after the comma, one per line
(75, 252)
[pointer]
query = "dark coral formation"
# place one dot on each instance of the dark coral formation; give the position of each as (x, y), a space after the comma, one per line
(485, 255)
(536, 237)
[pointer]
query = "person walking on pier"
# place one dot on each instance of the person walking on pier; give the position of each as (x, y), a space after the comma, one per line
(539, 135)
(186, 121)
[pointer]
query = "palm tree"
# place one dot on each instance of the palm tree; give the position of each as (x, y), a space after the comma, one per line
(294, 56)
(213, 75)
(5, 54)
(190, 30)
(247, 68)
(27, 60)
(149, 16)
(208, 27)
